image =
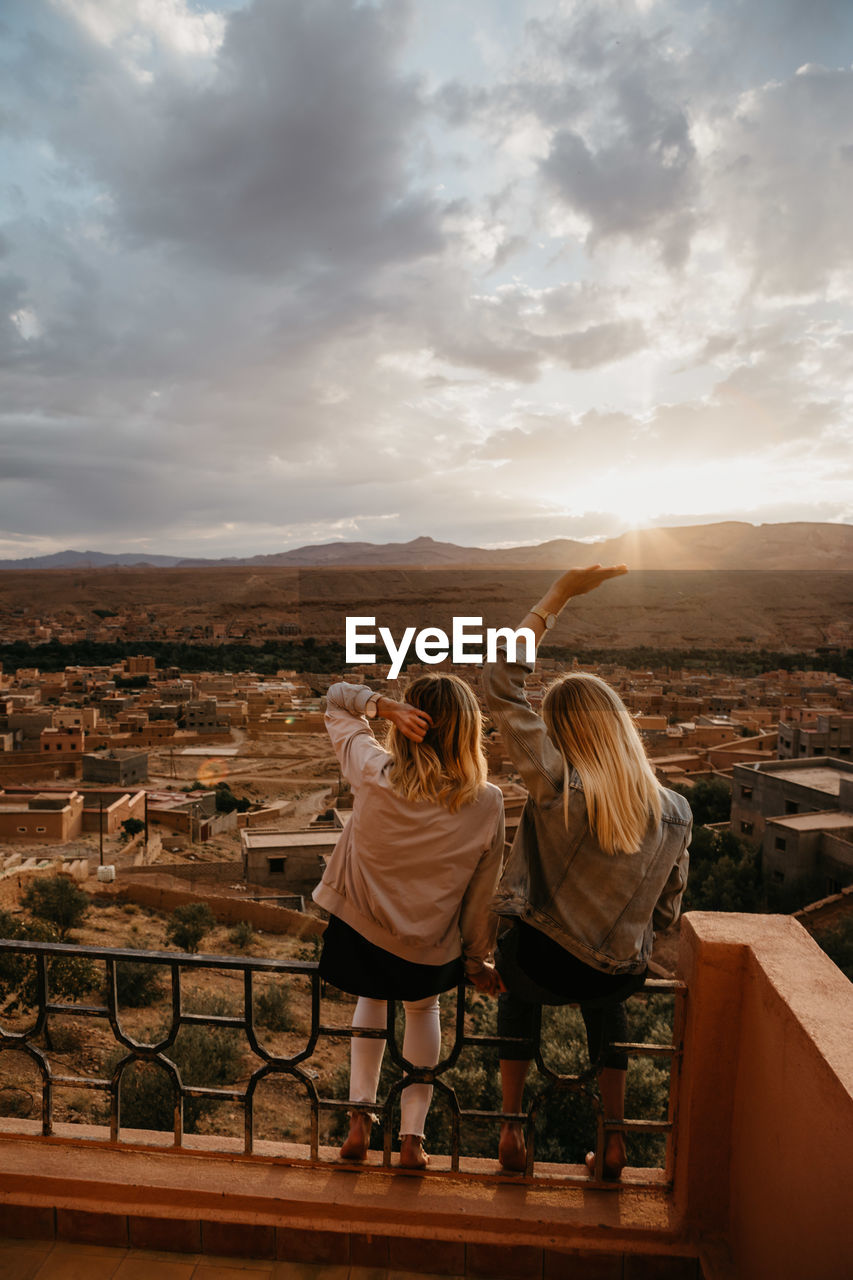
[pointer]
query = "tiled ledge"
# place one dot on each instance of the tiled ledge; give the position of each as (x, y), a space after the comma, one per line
(91, 1191)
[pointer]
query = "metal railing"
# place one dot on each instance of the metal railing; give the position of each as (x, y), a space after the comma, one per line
(293, 1067)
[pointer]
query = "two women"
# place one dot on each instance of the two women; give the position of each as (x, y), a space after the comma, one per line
(411, 880)
(600, 859)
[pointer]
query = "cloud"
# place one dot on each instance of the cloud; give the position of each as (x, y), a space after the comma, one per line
(780, 179)
(269, 272)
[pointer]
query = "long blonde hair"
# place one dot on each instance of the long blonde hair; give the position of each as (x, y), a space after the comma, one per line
(449, 766)
(591, 726)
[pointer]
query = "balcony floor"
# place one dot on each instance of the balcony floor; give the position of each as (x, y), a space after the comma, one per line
(48, 1260)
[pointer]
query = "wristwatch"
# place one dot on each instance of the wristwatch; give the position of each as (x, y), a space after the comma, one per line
(371, 709)
(550, 619)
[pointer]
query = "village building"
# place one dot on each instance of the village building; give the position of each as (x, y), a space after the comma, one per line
(116, 767)
(830, 735)
(800, 814)
(53, 817)
(293, 861)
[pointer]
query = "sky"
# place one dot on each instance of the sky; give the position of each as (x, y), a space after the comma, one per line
(293, 271)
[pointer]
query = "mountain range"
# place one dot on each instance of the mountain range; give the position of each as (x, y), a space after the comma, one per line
(727, 545)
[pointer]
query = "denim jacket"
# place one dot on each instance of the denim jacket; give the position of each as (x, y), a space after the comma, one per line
(603, 908)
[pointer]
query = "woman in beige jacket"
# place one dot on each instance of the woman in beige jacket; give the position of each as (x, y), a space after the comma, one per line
(409, 884)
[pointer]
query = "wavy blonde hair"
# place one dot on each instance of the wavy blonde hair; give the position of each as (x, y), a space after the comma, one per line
(449, 766)
(591, 726)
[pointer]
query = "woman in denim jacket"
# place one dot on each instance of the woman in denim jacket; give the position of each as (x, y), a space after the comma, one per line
(599, 862)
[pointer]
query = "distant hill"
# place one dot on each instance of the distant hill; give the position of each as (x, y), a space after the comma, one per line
(90, 560)
(725, 546)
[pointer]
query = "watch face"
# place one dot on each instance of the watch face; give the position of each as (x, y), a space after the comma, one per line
(551, 620)
(370, 709)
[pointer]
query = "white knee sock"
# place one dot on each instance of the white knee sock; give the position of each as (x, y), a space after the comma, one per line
(421, 1047)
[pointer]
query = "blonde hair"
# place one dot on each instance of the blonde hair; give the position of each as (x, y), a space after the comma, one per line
(595, 734)
(449, 766)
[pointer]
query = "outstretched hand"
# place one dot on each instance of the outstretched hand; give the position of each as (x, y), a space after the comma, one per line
(577, 582)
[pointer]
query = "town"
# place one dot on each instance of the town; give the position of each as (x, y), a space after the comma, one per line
(152, 812)
(149, 771)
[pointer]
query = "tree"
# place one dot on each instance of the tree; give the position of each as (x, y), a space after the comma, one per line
(189, 924)
(709, 798)
(137, 984)
(206, 1057)
(57, 900)
(132, 827)
(227, 802)
(724, 874)
(68, 977)
(837, 942)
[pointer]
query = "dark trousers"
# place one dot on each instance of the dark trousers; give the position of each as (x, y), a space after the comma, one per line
(520, 1008)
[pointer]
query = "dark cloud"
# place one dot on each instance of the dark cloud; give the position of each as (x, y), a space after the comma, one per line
(298, 283)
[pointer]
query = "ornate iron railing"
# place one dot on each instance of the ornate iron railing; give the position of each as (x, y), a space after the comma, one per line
(294, 1066)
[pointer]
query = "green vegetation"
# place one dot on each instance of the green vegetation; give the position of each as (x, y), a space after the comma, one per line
(308, 654)
(137, 984)
(131, 682)
(837, 942)
(68, 977)
(206, 1057)
(724, 875)
(57, 900)
(242, 935)
(188, 925)
(566, 1122)
(227, 802)
(132, 827)
(265, 659)
(273, 1009)
(710, 800)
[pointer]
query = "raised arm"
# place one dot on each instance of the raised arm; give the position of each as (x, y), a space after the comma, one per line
(348, 715)
(524, 733)
(574, 582)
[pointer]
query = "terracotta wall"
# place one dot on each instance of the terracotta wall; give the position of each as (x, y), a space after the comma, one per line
(765, 1123)
(227, 910)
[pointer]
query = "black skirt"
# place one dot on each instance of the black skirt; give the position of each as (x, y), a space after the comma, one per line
(357, 966)
(548, 964)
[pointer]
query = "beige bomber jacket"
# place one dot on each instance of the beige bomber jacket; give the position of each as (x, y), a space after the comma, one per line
(412, 878)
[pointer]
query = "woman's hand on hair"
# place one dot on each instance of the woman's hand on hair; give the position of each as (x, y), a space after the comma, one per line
(412, 723)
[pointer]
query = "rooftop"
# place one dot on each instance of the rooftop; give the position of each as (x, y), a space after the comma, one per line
(825, 820)
(758, 1184)
(292, 839)
(819, 778)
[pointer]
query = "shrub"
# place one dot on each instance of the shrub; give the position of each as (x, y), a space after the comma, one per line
(710, 800)
(68, 977)
(242, 935)
(206, 1057)
(189, 924)
(227, 802)
(57, 900)
(273, 1009)
(566, 1125)
(137, 984)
